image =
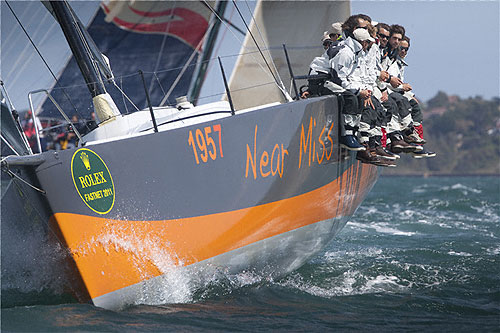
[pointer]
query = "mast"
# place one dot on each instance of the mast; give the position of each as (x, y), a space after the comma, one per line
(207, 53)
(69, 27)
(103, 104)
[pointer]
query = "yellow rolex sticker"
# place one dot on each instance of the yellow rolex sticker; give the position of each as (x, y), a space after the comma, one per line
(93, 180)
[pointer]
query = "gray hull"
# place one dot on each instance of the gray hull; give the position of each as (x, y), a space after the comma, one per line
(262, 190)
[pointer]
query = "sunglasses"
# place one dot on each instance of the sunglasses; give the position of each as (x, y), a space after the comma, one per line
(405, 49)
(361, 28)
(381, 36)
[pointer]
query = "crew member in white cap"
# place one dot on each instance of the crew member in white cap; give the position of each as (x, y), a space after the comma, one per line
(332, 85)
(336, 39)
(371, 125)
(371, 109)
(349, 66)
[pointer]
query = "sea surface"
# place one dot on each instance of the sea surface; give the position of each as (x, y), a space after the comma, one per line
(420, 254)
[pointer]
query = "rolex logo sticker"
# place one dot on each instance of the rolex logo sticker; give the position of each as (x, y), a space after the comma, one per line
(93, 180)
(85, 160)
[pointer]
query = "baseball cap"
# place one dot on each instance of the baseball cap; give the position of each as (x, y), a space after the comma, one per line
(361, 34)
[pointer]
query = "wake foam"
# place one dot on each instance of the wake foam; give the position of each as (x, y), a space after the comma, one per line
(465, 190)
(382, 227)
(351, 282)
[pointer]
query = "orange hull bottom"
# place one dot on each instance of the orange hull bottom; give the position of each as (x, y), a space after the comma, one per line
(115, 254)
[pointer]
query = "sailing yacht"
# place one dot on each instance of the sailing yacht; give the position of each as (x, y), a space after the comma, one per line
(254, 182)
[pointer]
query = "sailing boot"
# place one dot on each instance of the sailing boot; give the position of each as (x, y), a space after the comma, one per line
(423, 154)
(349, 142)
(383, 161)
(386, 163)
(398, 145)
(410, 135)
(382, 152)
(367, 156)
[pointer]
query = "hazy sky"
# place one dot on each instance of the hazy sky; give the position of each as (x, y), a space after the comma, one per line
(454, 46)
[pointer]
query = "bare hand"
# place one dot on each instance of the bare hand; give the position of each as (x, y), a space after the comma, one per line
(385, 96)
(396, 82)
(305, 94)
(365, 94)
(406, 87)
(368, 102)
(383, 76)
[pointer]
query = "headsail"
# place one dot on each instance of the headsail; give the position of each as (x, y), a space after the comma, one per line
(298, 24)
(152, 36)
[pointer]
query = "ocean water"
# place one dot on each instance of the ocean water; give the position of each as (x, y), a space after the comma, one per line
(418, 255)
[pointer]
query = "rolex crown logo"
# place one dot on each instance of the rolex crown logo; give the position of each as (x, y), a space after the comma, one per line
(85, 160)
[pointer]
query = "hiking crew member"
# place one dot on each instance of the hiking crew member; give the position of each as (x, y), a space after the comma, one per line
(364, 67)
(373, 116)
(350, 111)
(399, 105)
(414, 132)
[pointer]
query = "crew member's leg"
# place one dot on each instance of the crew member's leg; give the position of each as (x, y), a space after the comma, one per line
(400, 120)
(369, 133)
(416, 114)
(351, 117)
(377, 133)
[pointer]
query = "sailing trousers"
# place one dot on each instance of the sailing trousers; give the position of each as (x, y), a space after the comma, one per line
(350, 111)
(391, 108)
(401, 119)
(371, 123)
(416, 112)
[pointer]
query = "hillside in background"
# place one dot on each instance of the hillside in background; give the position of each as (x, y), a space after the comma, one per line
(465, 134)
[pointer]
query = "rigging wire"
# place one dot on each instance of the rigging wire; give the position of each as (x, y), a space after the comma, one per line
(8, 145)
(27, 60)
(163, 42)
(12, 174)
(184, 68)
(34, 207)
(283, 90)
(210, 63)
(227, 26)
(157, 72)
(43, 59)
(125, 95)
(87, 47)
(159, 83)
(266, 46)
(227, 21)
(22, 57)
(6, 40)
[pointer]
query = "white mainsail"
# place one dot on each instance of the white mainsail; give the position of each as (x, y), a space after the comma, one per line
(297, 24)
